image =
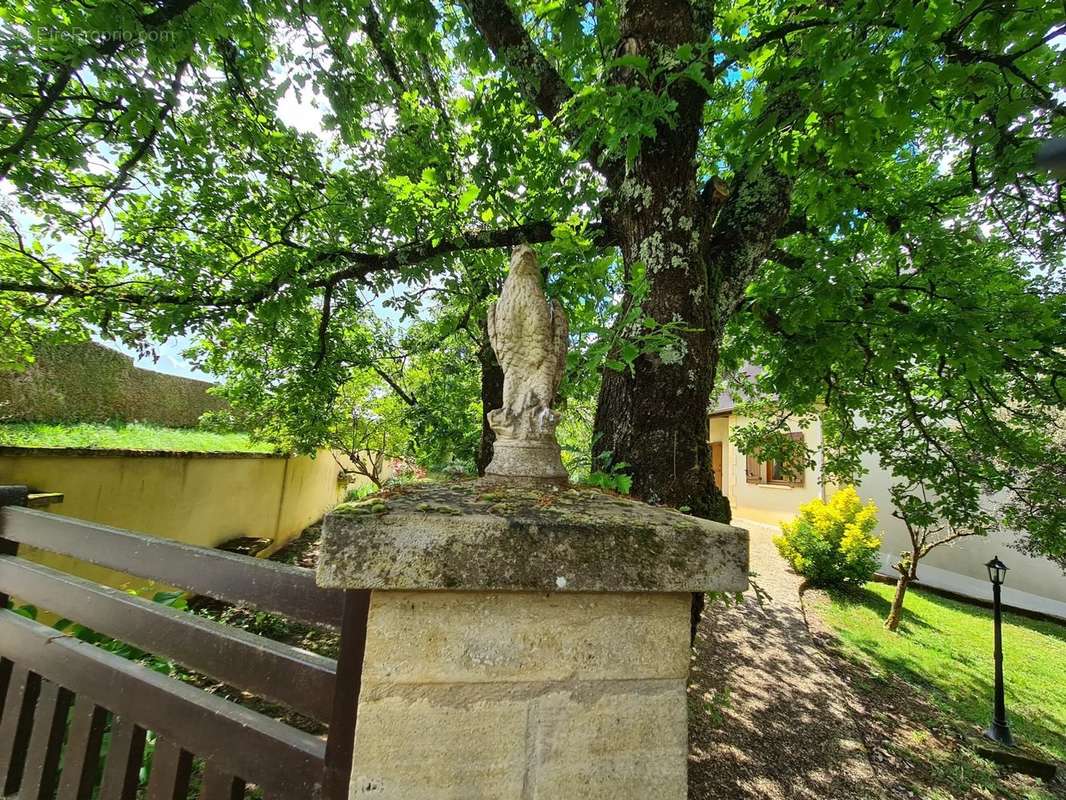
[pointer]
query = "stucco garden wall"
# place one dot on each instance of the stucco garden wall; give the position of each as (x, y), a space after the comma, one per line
(88, 382)
(199, 498)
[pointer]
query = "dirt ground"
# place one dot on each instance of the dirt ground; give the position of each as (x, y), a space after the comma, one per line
(777, 712)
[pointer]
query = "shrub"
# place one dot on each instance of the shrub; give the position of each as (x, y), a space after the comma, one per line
(831, 543)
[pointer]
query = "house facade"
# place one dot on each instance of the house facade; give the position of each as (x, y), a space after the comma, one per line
(762, 497)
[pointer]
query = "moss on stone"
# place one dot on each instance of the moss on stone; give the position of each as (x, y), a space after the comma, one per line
(459, 535)
(369, 506)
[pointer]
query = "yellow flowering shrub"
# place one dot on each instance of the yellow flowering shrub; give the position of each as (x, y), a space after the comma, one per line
(832, 544)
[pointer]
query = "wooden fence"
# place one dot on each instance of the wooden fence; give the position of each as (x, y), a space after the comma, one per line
(74, 717)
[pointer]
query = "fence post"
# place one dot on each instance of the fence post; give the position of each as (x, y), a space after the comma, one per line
(341, 741)
(17, 495)
(10, 496)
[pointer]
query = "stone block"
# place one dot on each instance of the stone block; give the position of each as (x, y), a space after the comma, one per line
(471, 637)
(615, 740)
(430, 748)
(469, 536)
(610, 742)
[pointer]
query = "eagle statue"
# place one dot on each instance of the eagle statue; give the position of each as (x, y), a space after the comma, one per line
(529, 336)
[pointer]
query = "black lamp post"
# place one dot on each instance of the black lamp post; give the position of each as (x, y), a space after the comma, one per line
(999, 732)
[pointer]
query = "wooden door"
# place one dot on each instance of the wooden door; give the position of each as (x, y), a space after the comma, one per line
(716, 463)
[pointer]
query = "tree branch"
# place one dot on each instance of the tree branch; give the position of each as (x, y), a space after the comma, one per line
(360, 265)
(400, 392)
(763, 39)
(106, 46)
(508, 40)
(136, 155)
(502, 31)
(323, 324)
(745, 230)
(373, 30)
(415, 252)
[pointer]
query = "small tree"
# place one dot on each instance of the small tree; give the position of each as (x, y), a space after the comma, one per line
(370, 428)
(927, 530)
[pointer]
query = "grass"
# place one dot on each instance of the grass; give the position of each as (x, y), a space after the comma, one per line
(126, 436)
(944, 649)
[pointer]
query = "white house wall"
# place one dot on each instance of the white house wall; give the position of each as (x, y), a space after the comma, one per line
(762, 502)
(1032, 583)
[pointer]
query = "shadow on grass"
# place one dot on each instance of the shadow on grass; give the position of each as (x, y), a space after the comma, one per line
(879, 605)
(940, 649)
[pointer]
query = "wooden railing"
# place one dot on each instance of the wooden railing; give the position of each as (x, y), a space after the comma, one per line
(62, 698)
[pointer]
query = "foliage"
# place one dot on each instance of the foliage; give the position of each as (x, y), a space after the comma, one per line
(940, 351)
(268, 179)
(582, 462)
(575, 434)
(946, 655)
(369, 428)
(1035, 506)
(609, 474)
(114, 646)
(123, 436)
(88, 382)
(831, 543)
(613, 481)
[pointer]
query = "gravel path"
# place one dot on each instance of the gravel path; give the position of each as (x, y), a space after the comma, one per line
(769, 717)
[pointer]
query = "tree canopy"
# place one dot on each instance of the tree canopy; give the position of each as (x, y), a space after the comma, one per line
(845, 192)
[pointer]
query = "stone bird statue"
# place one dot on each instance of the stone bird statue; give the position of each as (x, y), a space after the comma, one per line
(529, 337)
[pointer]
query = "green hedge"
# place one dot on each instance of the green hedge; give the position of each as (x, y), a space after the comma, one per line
(88, 382)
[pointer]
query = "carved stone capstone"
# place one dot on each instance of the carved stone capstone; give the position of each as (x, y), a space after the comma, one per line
(529, 337)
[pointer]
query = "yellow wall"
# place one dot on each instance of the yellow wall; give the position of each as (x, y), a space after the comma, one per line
(199, 498)
(763, 502)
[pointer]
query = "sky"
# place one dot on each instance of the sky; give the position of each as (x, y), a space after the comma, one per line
(168, 360)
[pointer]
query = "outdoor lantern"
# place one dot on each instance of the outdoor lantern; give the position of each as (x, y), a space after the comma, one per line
(997, 571)
(999, 731)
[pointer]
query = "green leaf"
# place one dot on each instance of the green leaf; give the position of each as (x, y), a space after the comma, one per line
(467, 198)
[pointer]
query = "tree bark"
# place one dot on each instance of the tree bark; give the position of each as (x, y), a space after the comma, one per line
(491, 397)
(908, 573)
(655, 418)
(699, 261)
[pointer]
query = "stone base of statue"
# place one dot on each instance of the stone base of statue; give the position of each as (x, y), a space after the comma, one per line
(526, 461)
(525, 451)
(524, 641)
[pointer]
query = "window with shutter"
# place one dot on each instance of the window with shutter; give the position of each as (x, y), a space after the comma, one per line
(753, 470)
(776, 473)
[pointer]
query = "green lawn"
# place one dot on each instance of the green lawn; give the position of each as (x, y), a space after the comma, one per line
(945, 648)
(122, 436)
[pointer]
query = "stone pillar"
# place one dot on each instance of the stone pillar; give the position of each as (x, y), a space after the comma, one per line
(524, 643)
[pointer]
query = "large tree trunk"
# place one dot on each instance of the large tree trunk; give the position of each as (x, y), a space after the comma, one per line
(701, 250)
(655, 419)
